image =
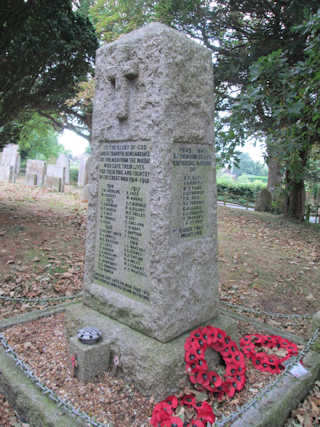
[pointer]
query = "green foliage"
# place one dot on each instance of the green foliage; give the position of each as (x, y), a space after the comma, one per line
(247, 178)
(38, 139)
(74, 175)
(245, 165)
(47, 49)
(234, 191)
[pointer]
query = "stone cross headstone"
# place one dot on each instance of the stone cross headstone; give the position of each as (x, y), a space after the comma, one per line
(11, 157)
(64, 162)
(83, 170)
(151, 250)
(35, 172)
(55, 178)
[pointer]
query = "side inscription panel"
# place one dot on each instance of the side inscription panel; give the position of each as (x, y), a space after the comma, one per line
(192, 168)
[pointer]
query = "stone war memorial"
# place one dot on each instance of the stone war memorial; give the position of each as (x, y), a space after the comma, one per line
(151, 251)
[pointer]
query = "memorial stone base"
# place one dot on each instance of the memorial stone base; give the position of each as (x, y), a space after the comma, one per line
(155, 368)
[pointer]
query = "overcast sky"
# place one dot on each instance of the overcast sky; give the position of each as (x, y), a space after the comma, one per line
(77, 145)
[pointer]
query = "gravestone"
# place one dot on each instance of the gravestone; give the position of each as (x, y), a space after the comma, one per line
(64, 162)
(151, 249)
(35, 172)
(264, 201)
(11, 157)
(55, 178)
(7, 174)
(83, 170)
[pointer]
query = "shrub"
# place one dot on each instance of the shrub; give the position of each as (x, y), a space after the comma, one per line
(239, 192)
(74, 175)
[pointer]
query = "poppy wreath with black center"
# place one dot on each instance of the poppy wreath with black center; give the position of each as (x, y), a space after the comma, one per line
(263, 361)
(196, 366)
(163, 414)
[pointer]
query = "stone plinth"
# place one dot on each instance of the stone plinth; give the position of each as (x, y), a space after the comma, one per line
(35, 172)
(155, 368)
(151, 243)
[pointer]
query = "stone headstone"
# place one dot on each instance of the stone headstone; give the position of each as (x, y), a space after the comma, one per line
(64, 162)
(7, 174)
(11, 157)
(55, 178)
(35, 172)
(150, 267)
(83, 170)
(264, 201)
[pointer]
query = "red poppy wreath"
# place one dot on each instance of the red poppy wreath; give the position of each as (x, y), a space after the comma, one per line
(196, 366)
(251, 344)
(164, 413)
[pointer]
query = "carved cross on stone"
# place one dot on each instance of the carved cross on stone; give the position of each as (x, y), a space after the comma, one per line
(122, 77)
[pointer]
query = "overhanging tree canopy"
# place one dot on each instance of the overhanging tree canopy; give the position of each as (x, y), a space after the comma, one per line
(46, 50)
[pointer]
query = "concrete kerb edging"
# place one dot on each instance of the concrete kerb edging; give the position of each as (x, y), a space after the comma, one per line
(28, 401)
(273, 409)
(35, 407)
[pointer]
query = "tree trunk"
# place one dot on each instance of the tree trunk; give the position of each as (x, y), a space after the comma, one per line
(274, 174)
(296, 197)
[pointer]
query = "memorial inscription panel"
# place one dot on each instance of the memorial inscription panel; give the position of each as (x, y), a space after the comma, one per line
(123, 223)
(192, 164)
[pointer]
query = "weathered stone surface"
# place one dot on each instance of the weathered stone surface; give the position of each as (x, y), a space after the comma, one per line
(7, 174)
(55, 178)
(264, 201)
(84, 194)
(10, 157)
(83, 175)
(155, 368)
(28, 401)
(92, 360)
(35, 168)
(64, 162)
(151, 243)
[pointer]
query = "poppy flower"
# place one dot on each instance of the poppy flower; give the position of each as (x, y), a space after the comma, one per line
(219, 392)
(233, 369)
(190, 356)
(238, 382)
(172, 401)
(196, 334)
(161, 412)
(172, 422)
(257, 360)
(196, 423)
(236, 358)
(205, 412)
(188, 400)
(214, 380)
(229, 387)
